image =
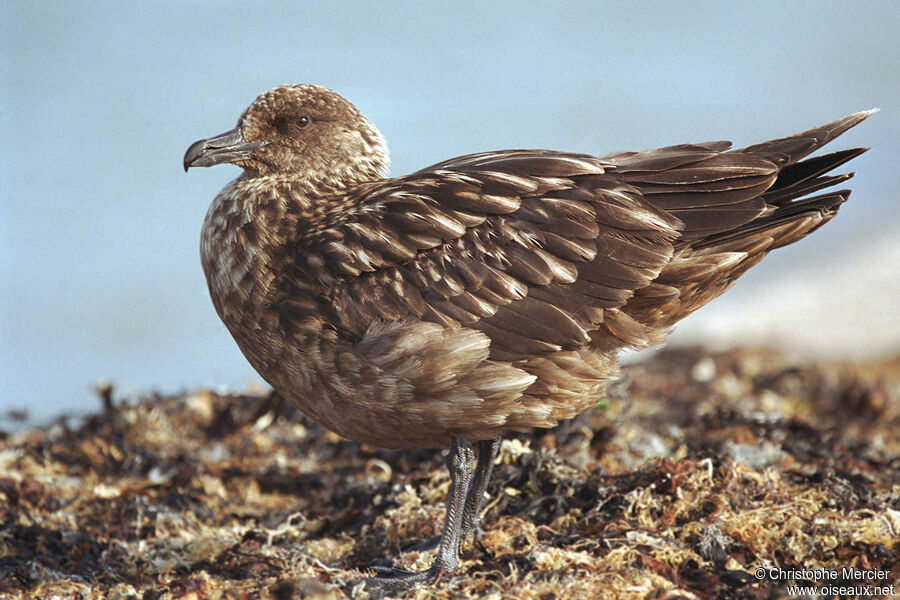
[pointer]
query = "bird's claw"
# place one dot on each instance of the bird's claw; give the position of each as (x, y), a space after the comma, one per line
(392, 581)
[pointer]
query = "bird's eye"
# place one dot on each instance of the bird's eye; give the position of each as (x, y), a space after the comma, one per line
(303, 122)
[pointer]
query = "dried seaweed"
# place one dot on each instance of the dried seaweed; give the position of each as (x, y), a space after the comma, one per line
(700, 469)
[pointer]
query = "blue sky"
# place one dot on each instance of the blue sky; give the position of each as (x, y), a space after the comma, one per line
(99, 226)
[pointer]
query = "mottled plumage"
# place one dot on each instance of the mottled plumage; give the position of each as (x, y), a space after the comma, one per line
(484, 293)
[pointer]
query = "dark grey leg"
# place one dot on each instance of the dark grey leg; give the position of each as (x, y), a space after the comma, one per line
(487, 452)
(395, 581)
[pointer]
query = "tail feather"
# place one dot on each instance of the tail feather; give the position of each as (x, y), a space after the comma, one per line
(824, 206)
(783, 196)
(714, 256)
(805, 170)
(808, 176)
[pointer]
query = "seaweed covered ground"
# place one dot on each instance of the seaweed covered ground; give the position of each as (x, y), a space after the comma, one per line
(699, 477)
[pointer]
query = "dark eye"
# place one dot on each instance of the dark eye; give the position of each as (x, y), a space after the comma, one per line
(303, 122)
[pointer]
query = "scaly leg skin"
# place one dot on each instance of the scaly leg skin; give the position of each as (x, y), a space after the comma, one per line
(487, 452)
(393, 581)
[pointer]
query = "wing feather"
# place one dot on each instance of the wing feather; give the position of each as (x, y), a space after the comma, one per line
(544, 251)
(530, 247)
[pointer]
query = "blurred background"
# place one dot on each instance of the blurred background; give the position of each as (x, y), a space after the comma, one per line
(99, 226)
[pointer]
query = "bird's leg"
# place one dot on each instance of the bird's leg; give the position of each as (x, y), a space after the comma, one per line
(487, 452)
(395, 581)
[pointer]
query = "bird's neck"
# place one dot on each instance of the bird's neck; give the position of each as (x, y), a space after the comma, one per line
(301, 203)
(252, 223)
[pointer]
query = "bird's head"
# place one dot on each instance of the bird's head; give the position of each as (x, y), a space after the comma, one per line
(304, 131)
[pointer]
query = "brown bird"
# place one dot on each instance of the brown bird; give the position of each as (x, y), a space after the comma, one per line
(486, 293)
